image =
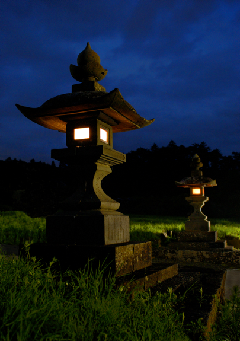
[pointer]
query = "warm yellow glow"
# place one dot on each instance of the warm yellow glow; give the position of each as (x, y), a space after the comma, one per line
(103, 135)
(81, 133)
(196, 191)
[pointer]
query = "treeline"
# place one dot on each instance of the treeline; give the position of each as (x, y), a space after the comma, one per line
(145, 184)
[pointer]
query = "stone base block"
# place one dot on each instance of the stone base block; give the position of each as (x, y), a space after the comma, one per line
(197, 225)
(123, 258)
(197, 236)
(94, 230)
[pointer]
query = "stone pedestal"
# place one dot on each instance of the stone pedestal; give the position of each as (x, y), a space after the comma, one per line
(88, 225)
(89, 216)
(197, 236)
(197, 220)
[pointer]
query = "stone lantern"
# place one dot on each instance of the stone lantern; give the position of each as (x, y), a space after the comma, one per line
(196, 183)
(197, 244)
(88, 224)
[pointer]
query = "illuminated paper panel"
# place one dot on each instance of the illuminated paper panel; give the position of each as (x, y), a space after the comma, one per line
(196, 191)
(103, 135)
(81, 133)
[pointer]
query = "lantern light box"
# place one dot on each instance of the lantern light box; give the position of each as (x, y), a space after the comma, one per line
(83, 133)
(89, 132)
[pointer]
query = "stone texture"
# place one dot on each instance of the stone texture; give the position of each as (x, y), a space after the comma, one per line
(147, 278)
(92, 164)
(89, 68)
(142, 254)
(197, 245)
(197, 220)
(214, 256)
(197, 236)
(88, 86)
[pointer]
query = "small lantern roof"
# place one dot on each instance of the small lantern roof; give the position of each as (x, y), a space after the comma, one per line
(87, 98)
(197, 179)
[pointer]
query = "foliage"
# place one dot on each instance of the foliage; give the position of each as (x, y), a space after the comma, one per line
(144, 184)
(36, 305)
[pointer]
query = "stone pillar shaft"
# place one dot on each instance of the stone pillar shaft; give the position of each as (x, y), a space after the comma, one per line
(197, 220)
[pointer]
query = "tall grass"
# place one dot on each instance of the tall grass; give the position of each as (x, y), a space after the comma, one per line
(36, 305)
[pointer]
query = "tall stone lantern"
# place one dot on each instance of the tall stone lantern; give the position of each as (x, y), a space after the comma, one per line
(89, 223)
(196, 183)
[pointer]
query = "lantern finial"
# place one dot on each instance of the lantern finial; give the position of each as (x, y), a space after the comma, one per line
(195, 165)
(89, 68)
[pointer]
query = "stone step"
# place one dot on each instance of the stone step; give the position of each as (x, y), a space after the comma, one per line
(201, 246)
(214, 255)
(147, 278)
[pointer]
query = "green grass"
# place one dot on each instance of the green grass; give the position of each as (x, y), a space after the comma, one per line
(36, 305)
(150, 227)
(17, 227)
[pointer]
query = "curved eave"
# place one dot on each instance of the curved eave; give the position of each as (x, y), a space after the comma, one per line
(204, 184)
(49, 115)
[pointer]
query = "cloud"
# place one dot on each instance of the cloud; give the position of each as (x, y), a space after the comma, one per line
(175, 61)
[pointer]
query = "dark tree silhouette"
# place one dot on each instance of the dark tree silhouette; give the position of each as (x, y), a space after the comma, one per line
(145, 184)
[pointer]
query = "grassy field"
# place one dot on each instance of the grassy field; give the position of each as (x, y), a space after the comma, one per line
(17, 227)
(36, 306)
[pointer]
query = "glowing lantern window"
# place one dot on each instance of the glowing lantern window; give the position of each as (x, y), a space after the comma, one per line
(81, 133)
(196, 191)
(104, 135)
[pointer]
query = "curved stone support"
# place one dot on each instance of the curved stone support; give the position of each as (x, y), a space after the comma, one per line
(90, 165)
(197, 220)
(89, 194)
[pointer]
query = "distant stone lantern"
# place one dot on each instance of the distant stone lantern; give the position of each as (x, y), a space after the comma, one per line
(89, 116)
(196, 183)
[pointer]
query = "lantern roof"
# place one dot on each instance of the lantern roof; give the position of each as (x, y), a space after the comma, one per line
(86, 99)
(196, 179)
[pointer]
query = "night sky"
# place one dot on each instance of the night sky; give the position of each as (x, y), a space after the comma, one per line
(173, 60)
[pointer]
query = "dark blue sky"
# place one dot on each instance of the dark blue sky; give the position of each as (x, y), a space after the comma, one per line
(173, 60)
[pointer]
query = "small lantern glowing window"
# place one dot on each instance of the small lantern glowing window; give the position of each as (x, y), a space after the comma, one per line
(197, 191)
(81, 133)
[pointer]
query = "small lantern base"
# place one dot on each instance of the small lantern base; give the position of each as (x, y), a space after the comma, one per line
(195, 225)
(197, 220)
